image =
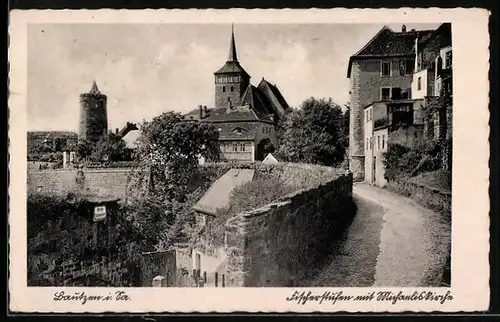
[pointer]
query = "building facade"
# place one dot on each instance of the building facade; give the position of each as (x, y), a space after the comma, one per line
(93, 115)
(380, 71)
(397, 122)
(245, 115)
(397, 82)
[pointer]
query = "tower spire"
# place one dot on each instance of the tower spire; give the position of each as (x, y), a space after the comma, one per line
(94, 89)
(232, 48)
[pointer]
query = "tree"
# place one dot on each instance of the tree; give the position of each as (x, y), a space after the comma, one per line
(170, 147)
(315, 133)
(84, 149)
(110, 148)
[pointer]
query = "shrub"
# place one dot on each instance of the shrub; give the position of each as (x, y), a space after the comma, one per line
(252, 195)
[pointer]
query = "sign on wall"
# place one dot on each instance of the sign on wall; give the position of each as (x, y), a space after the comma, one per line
(99, 213)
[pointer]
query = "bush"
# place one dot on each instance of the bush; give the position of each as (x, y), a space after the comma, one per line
(400, 161)
(60, 229)
(252, 195)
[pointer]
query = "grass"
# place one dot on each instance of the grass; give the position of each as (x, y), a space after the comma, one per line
(438, 179)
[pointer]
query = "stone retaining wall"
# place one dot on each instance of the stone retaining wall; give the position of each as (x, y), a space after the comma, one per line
(275, 245)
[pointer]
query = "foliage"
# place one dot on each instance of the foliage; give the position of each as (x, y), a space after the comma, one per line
(315, 133)
(60, 229)
(84, 149)
(169, 146)
(400, 161)
(254, 194)
(110, 148)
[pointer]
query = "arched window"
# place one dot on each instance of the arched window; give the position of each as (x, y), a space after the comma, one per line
(223, 88)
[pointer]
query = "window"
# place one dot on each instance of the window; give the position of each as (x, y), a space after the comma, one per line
(235, 147)
(385, 69)
(419, 83)
(385, 93)
(406, 66)
(232, 88)
(447, 60)
(242, 147)
(383, 141)
(378, 142)
(366, 144)
(371, 114)
(223, 88)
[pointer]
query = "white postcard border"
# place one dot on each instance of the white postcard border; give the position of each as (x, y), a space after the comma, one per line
(470, 201)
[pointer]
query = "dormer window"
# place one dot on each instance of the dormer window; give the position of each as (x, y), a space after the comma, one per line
(239, 130)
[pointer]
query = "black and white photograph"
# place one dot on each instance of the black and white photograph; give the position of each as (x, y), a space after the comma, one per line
(240, 154)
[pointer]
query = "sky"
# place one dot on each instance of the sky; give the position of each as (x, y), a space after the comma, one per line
(148, 69)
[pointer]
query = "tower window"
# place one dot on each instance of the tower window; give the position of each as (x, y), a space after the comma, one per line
(223, 88)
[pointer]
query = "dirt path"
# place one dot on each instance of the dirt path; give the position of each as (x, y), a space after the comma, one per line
(414, 241)
(391, 242)
(354, 263)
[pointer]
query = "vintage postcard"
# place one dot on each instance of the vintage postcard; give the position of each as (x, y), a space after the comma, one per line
(249, 160)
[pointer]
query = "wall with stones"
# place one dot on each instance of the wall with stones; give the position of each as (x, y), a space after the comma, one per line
(276, 245)
(100, 182)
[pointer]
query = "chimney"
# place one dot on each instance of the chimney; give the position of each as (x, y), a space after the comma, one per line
(116, 130)
(403, 29)
(205, 110)
(201, 111)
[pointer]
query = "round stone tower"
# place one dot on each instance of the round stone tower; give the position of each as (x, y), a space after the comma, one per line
(93, 115)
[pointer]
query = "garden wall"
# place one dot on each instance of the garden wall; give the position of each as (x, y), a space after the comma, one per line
(99, 182)
(276, 245)
(428, 197)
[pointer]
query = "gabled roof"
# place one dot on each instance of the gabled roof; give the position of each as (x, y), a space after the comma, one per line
(387, 43)
(274, 96)
(217, 197)
(257, 101)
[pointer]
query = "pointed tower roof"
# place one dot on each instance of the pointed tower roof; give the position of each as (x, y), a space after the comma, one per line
(232, 65)
(232, 47)
(94, 89)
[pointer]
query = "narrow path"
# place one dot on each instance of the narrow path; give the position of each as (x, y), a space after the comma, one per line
(414, 241)
(391, 242)
(355, 259)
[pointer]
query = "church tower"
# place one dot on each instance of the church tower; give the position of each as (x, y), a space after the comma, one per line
(93, 115)
(231, 80)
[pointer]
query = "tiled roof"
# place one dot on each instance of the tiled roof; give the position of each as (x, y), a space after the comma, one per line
(217, 197)
(231, 67)
(387, 43)
(226, 114)
(237, 130)
(258, 101)
(274, 96)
